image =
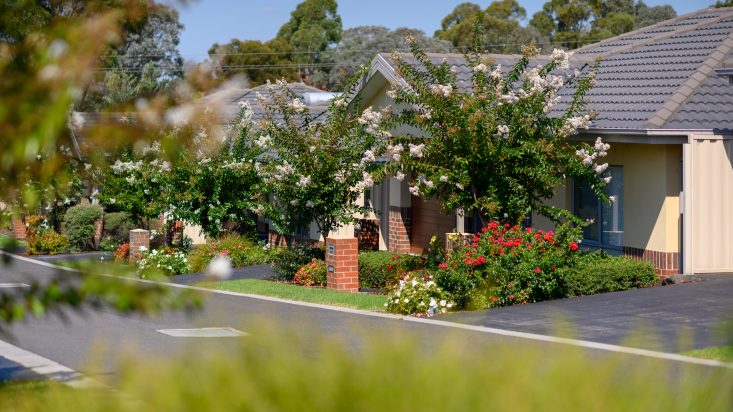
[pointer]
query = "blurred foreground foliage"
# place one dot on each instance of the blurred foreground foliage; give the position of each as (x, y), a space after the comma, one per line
(270, 370)
(50, 54)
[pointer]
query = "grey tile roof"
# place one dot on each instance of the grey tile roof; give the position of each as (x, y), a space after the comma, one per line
(658, 77)
(229, 101)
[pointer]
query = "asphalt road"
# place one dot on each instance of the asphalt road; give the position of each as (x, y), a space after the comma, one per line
(105, 335)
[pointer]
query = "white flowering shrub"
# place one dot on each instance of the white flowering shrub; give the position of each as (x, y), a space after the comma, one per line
(215, 181)
(499, 147)
(417, 294)
(315, 169)
(168, 262)
(137, 182)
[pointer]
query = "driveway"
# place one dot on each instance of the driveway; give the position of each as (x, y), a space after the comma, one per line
(668, 318)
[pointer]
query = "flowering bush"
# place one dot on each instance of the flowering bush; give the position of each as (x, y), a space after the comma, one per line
(311, 274)
(504, 265)
(168, 262)
(318, 168)
(417, 293)
(48, 242)
(123, 252)
(499, 145)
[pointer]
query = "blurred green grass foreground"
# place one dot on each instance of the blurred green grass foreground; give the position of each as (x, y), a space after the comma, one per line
(273, 371)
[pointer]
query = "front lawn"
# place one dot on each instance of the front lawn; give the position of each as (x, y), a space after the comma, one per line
(721, 353)
(301, 293)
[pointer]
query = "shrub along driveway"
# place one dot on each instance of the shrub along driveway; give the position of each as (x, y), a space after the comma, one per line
(668, 318)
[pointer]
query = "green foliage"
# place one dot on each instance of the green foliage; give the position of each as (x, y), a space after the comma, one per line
(80, 225)
(243, 251)
(417, 293)
(280, 370)
(311, 274)
(381, 269)
(47, 243)
(314, 25)
(117, 227)
(498, 149)
(505, 265)
(220, 180)
(501, 19)
(259, 61)
(167, 262)
(573, 24)
(599, 273)
(287, 261)
(317, 169)
(723, 3)
(137, 183)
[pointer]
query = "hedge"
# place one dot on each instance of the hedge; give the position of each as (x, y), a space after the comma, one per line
(80, 225)
(600, 273)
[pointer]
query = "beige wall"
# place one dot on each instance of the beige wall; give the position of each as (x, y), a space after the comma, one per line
(711, 208)
(651, 195)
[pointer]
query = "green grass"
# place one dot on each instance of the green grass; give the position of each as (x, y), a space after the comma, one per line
(301, 293)
(6, 241)
(722, 353)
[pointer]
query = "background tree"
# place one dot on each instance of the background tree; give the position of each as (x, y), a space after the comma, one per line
(574, 23)
(497, 149)
(256, 60)
(723, 3)
(359, 45)
(502, 21)
(314, 25)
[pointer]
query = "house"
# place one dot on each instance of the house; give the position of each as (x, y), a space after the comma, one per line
(664, 98)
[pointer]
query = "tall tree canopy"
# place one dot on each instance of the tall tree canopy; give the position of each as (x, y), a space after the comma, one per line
(142, 63)
(503, 32)
(574, 23)
(259, 61)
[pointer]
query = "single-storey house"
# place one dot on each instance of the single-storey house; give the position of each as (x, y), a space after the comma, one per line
(664, 98)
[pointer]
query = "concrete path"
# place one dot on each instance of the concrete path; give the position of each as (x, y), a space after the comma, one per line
(672, 318)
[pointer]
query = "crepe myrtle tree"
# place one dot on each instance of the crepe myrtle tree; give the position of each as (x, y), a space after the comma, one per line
(137, 182)
(315, 171)
(215, 181)
(501, 148)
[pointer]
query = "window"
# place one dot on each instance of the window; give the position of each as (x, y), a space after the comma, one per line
(608, 219)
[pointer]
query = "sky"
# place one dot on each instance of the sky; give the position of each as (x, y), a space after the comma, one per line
(210, 21)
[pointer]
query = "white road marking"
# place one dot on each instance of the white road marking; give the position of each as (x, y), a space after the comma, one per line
(483, 329)
(47, 367)
(225, 332)
(14, 285)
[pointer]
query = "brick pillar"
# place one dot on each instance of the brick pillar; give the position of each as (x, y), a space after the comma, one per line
(139, 242)
(19, 232)
(98, 230)
(400, 223)
(342, 263)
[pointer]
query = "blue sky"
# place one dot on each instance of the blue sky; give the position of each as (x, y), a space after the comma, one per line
(209, 21)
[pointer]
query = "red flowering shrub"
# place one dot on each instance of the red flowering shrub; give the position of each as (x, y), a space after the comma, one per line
(311, 274)
(123, 252)
(503, 265)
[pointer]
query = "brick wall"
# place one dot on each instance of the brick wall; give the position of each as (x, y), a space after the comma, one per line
(400, 229)
(98, 230)
(665, 263)
(342, 262)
